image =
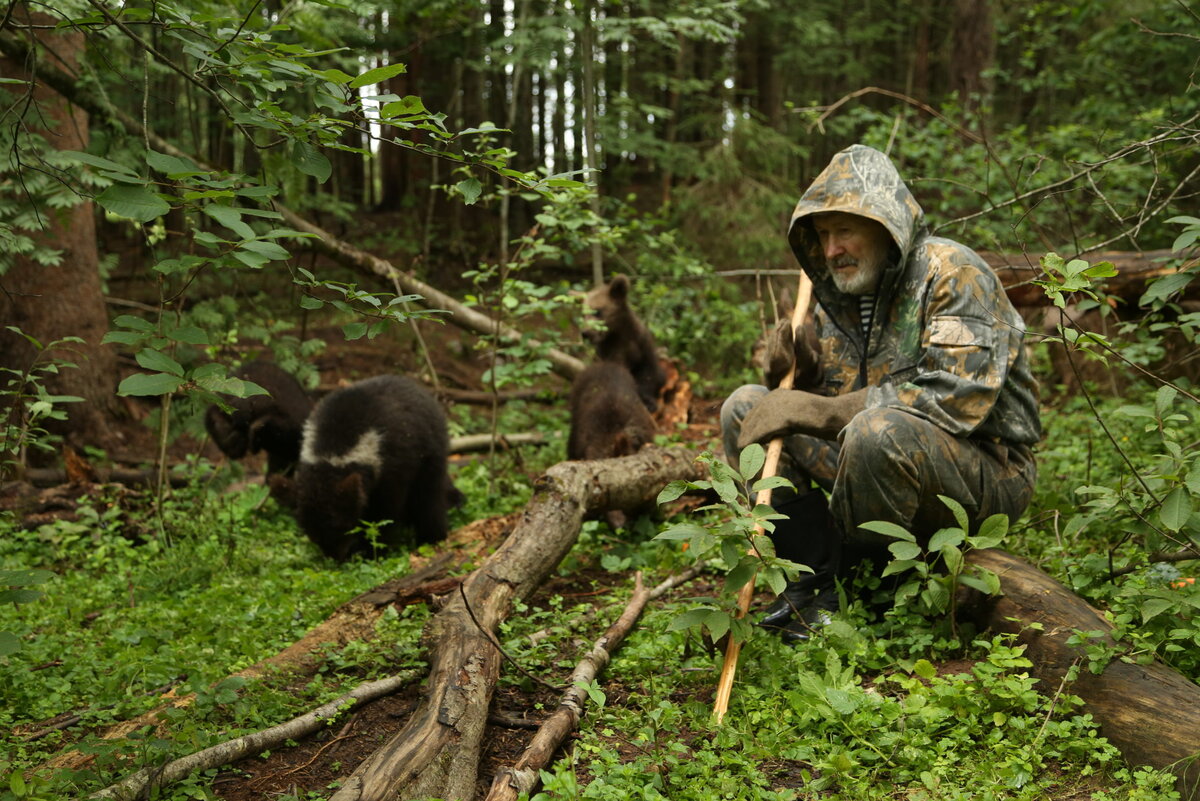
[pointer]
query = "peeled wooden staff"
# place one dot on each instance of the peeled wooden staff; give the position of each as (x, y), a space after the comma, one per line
(770, 468)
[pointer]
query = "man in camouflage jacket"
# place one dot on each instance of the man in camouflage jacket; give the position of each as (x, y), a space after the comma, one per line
(911, 382)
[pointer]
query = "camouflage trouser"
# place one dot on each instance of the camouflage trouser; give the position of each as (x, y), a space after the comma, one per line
(890, 465)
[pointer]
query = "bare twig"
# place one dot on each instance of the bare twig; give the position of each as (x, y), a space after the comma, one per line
(148, 779)
(523, 776)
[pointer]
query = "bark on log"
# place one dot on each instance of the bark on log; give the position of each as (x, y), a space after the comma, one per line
(523, 777)
(344, 253)
(437, 753)
(1150, 712)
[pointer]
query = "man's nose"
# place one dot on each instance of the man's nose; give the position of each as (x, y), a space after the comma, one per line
(833, 248)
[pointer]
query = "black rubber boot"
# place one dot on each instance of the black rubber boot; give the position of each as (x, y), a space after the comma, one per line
(818, 613)
(810, 537)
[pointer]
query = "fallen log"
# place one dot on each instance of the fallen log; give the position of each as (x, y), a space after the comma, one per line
(1150, 712)
(523, 776)
(436, 754)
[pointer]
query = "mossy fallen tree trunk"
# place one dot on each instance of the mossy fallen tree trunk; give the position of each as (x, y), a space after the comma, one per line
(1150, 712)
(436, 754)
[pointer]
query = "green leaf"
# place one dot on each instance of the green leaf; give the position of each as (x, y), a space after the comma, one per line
(99, 162)
(888, 529)
(188, 334)
(135, 202)
(906, 551)
(953, 558)
(20, 596)
(751, 460)
(774, 482)
(672, 491)
(309, 302)
(135, 323)
(925, 669)
(1176, 509)
(143, 384)
(10, 644)
(354, 331)
(741, 575)
(470, 190)
(946, 536)
(692, 617)
(231, 218)
(1163, 399)
(25, 577)
(310, 161)
(268, 249)
(1193, 478)
(1152, 607)
(681, 531)
(717, 623)
(960, 514)
(991, 532)
(156, 360)
(378, 75)
(170, 166)
(842, 701)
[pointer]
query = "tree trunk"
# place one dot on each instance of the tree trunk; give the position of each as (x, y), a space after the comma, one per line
(51, 302)
(437, 753)
(1150, 712)
(973, 51)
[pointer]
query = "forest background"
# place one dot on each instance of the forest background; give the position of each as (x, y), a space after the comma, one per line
(188, 185)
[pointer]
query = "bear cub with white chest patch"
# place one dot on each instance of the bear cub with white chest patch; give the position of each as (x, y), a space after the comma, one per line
(375, 450)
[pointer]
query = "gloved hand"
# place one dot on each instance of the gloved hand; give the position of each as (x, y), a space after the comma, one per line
(793, 411)
(782, 352)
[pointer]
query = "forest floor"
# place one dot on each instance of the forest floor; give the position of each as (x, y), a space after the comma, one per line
(317, 761)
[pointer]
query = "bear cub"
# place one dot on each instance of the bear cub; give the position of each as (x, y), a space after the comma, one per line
(375, 450)
(271, 423)
(608, 418)
(625, 339)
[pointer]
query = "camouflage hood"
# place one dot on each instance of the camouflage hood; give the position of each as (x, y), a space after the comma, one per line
(945, 342)
(859, 180)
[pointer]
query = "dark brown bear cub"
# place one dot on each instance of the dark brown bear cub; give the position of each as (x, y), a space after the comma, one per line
(271, 423)
(373, 451)
(625, 339)
(608, 420)
(607, 416)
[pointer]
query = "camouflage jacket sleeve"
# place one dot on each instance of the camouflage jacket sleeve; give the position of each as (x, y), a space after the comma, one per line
(969, 337)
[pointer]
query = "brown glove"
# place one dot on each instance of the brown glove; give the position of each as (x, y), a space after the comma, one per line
(782, 352)
(792, 411)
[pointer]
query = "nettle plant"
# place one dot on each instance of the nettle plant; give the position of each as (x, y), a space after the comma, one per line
(738, 543)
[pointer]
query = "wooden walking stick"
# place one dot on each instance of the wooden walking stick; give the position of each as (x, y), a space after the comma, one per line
(770, 468)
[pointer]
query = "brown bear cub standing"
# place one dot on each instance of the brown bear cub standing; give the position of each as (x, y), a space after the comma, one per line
(271, 423)
(608, 418)
(373, 451)
(625, 339)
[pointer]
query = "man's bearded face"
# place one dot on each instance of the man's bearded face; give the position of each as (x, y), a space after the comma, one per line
(855, 249)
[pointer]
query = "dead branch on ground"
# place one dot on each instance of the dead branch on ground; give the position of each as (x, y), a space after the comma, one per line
(523, 776)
